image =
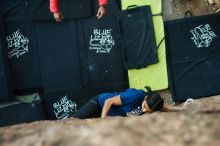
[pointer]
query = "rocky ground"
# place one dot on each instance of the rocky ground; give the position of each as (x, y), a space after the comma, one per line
(175, 9)
(197, 126)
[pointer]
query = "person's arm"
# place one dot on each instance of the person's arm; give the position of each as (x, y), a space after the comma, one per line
(173, 109)
(116, 100)
(54, 8)
(103, 2)
(102, 10)
(185, 105)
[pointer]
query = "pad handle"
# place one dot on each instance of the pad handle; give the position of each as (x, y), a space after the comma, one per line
(188, 13)
(131, 7)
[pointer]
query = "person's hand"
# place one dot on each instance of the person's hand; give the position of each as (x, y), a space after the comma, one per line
(188, 103)
(101, 12)
(58, 16)
(103, 117)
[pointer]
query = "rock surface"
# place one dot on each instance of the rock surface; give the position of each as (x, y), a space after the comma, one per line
(198, 125)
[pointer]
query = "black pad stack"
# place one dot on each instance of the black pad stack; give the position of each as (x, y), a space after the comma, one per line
(193, 55)
(60, 63)
(70, 69)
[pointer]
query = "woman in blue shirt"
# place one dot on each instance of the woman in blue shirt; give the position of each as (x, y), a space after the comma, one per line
(131, 102)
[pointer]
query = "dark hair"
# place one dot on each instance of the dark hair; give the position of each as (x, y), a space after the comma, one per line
(154, 100)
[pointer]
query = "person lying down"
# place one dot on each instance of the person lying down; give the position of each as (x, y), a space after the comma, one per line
(131, 102)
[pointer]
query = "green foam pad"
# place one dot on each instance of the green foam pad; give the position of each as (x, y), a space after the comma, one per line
(155, 75)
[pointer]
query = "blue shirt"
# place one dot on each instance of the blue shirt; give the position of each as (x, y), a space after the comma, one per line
(130, 98)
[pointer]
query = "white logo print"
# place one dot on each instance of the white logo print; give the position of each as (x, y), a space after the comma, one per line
(64, 108)
(17, 44)
(203, 35)
(101, 41)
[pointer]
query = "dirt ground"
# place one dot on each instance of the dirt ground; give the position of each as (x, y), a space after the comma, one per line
(197, 126)
(175, 9)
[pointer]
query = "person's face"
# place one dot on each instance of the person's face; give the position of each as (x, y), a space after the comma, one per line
(145, 107)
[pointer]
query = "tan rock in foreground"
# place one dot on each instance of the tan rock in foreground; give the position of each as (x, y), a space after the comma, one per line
(198, 126)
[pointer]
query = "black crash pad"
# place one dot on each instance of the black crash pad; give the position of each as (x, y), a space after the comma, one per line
(5, 80)
(22, 50)
(102, 50)
(193, 55)
(138, 37)
(16, 112)
(59, 55)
